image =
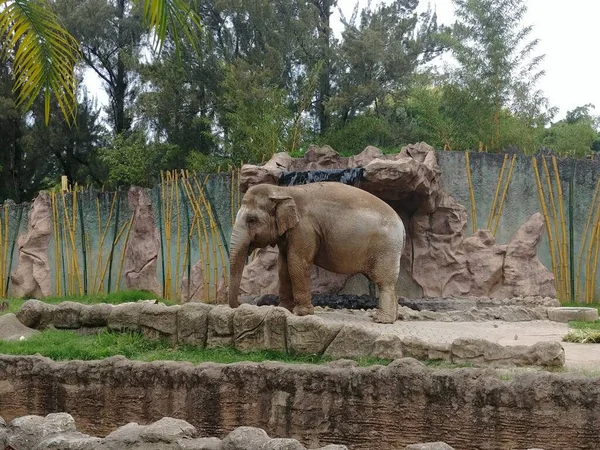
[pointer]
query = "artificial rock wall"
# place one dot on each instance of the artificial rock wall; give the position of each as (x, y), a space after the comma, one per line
(437, 242)
(364, 408)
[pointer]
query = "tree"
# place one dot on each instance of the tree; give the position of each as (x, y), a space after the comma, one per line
(576, 135)
(45, 54)
(496, 65)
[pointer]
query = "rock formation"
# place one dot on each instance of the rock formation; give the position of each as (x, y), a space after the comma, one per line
(194, 291)
(410, 182)
(32, 275)
(141, 254)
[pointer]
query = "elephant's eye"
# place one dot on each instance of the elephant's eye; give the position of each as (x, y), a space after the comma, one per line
(252, 220)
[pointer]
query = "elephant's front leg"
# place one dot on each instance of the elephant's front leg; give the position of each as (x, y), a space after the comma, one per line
(286, 295)
(300, 269)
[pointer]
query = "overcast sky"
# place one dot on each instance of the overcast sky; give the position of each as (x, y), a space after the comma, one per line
(567, 33)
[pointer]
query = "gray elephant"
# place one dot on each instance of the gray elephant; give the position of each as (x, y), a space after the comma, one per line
(338, 227)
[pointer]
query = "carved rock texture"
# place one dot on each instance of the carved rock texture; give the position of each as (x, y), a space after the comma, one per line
(32, 276)
(318, 405)
(141, 254)
(194, 292)
(436, 243)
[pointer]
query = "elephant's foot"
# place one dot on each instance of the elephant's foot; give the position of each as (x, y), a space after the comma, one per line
(382, 317)
(304, 310)
(287, 305)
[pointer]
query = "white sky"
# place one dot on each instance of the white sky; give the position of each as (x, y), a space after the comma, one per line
(567, 33)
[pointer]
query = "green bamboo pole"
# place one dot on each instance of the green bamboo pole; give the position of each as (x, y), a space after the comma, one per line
(114, 241)
(85, 274)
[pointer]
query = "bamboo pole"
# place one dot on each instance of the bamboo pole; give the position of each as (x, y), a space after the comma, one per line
(100, 263)
(496, 193)
(504, 193)
(565, 268)
(590, 252)
(556, 228)
(5, 249)
(113, 244)
(120, 271)
(593, 207)
(594, 273)
(178, 246)
(55, 236)
(116, 240)
(471, 192)
(12, 248)
(546, 217)
(2, 268)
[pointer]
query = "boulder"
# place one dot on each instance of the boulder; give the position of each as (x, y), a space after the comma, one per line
(36, 314)
(429, 446)
(310, 334)
(220, 327)
(484, 261)
(125, 316)
(67, 315)
(259, 327)
(167, 429)
(25, 432)
(387, 346)
(283, 444)
(523, 273)
(32, 276)
(127, 434)
(192, 324)
(69, 441)
(369, 154)
(11, 329)
(245, 438)
(159, 321)
(211, 443)
(141, 252)
(352, 342)
(92, 316)
(195, 291)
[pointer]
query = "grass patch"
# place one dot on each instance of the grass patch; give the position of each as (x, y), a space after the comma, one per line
(61, 345)
(115, 298)
(583, 336)
(585, 325)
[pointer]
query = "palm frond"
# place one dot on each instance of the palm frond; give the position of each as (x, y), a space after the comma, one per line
(173, 17)
(44, 55)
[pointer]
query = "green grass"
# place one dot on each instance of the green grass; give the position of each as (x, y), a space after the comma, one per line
(14, 304)
(61, 345)
(578, 325)
(583, 336)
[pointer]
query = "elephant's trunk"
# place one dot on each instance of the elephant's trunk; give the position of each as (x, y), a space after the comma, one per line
(240, 242)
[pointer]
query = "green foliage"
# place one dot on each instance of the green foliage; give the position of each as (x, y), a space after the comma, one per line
(257, 120)
(358, 133)
(576, 135)
(133, 161)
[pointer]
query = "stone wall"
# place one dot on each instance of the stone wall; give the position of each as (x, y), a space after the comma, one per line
(251, 327)
(364, 408)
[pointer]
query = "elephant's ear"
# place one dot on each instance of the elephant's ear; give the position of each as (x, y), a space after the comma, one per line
(285, 211)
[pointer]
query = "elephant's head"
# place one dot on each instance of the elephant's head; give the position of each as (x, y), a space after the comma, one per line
(266, 213)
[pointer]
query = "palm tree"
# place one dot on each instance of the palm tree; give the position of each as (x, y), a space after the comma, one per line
(44, 54)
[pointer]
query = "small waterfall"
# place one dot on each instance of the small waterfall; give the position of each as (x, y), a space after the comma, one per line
(346, 176)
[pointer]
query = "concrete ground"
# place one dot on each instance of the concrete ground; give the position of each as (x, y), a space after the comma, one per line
(579, 357)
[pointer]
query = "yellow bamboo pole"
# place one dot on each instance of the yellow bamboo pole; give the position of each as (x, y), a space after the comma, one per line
(202, 239)
(217, 241)
(232, 171)
(504, 193)
(99, 264)
(213, 240)
(546, 219)
(556, 227)
(76, 259)
(594, 273)
(68, 287)
(123, 254)
(496, 193)
(593, 206)
(5, 254)
(105, 269)
(565, 254)
(590, 252)
(178, 247)
(2, 265)
(55, 236)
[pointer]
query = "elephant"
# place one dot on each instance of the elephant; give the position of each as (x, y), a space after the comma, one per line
(335, 226)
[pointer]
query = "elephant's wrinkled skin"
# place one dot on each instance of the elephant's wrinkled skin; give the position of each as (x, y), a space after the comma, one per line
(340, 228)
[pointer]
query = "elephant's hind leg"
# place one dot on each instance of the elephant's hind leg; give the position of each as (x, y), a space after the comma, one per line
(286, 295)
(387, 311)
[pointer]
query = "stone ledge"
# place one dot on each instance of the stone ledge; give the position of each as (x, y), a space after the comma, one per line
(249, 327)
(566, 314)
(57, 431)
